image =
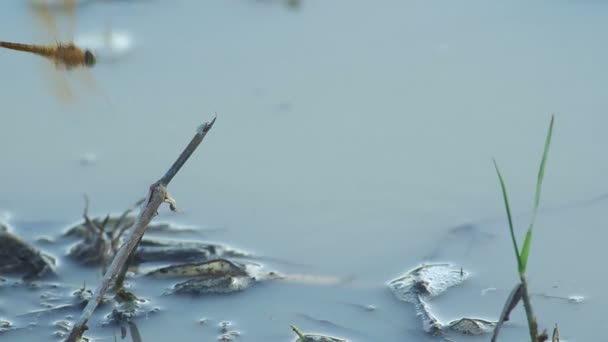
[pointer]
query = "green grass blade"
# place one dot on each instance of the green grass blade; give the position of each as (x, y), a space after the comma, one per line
(525, 251)
(298, 332)
(508, 208)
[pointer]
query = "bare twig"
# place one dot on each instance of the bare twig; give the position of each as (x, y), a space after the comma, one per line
(88, 223)
(116, 234)
(555, 336)
(104, 223)
(181, 160)
(156, 196)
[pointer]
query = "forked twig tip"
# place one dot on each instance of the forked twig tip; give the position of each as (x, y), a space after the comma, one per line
(204, 128)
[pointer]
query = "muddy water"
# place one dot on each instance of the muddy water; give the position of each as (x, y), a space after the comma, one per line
(351, 138)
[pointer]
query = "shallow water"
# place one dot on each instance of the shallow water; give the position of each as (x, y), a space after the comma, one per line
(350, 138)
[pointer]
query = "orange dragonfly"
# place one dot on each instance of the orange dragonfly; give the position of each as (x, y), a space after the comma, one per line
(66, 56)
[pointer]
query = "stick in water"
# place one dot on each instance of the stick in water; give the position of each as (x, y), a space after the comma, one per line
(156, 196)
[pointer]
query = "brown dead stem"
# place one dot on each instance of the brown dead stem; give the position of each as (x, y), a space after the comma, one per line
(156, 196)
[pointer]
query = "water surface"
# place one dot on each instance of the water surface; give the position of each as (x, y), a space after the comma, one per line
(351, 136)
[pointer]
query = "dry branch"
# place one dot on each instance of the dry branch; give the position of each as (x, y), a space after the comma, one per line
(156, 196)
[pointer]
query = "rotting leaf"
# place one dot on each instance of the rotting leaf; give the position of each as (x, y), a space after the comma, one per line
(154, 250)
(225, 276)
(18, 256)
(214, 268)
(213, 284)
(215, 276)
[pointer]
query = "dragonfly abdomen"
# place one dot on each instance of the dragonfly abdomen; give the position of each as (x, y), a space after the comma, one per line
(45, 51)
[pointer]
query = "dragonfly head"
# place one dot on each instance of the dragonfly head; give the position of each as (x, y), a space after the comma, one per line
(89, 58)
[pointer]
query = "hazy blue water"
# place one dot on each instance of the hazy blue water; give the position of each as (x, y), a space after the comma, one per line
(351, 135)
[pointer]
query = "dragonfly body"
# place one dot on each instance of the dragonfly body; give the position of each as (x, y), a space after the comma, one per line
(64, 55)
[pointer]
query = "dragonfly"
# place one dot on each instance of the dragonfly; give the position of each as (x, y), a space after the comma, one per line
(64, 55)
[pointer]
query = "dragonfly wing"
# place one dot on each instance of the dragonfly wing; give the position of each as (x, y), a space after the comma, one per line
(71, 12)
(46, 19)
(91, 83)
(59, 84)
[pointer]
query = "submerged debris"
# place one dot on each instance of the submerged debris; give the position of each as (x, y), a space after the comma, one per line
(465, 236)
(572, 299)
(77, 300)
(224, 325)
(102, 236)
(216, 276)
(128, 307)
(122, 221)
(214, 268)
(82, 229)
(367, 308)
(226, 334)
(229, 337)
(330, 325)
(63, 328)
(226, 276)
(17, 256)
(92, 250)
(576, 299)
(214, 284)
(5, 326)
(428, 281)
(150, 250)
(472, 326)
(313, 337)
(98, 249)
